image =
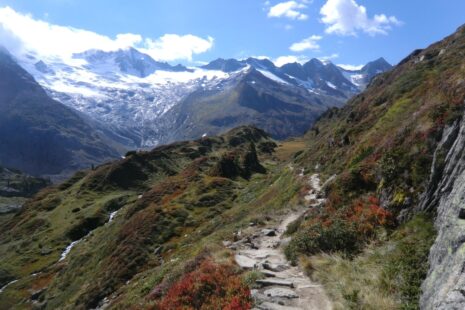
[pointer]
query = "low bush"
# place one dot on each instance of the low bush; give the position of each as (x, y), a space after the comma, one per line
(210, 287)
(345, 230)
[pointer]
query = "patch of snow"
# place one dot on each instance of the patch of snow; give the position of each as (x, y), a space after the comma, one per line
(120, 99)
(354, 77)
(273, 77)
(331, 85)
(308, 84)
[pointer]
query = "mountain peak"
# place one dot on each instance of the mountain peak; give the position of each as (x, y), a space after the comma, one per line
(128, 60)
(377, 66)
(225, 65)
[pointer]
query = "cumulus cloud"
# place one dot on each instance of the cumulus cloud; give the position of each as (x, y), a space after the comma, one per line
(289, 9)
(282, 60)
(350, 67)
(22, 33)
(310, 43)
(172, 46)
(347, 17)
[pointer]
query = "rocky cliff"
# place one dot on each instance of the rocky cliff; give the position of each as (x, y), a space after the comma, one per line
(444, 285)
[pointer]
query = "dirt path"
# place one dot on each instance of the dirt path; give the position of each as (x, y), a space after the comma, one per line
(285, 287)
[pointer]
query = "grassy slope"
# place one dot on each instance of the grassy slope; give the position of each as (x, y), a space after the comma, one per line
(189, 202)
(381, 147)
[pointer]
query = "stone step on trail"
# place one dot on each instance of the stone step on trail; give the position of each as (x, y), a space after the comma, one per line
(284, 287)
(274, 282)
(275, 267)
(280, 292)
(273, 306)
(245, 262)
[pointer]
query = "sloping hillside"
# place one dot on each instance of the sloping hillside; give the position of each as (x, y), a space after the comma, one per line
(385, 154)
(130, 224)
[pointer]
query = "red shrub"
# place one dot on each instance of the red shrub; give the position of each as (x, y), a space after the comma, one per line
(367, 215)
(211, 287)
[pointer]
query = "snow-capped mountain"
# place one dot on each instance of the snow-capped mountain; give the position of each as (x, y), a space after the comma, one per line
(361, 78)
(41, 136)
(130, 93)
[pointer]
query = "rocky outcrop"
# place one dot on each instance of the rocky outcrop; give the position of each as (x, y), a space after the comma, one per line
(444, 287)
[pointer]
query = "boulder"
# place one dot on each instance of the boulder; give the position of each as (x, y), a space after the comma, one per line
(244, 261)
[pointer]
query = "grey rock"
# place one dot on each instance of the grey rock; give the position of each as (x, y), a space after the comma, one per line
(244, 261)
(273, 306)
(281, 292)
(274, 281)
(274, 267)
(443, 287)
(45, 251)
(267, 273)
(269, 232)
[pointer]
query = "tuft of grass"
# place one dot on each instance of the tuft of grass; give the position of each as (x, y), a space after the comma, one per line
(250, 278)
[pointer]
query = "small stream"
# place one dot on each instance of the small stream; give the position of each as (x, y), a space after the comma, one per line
(68, 249)
(8, 284)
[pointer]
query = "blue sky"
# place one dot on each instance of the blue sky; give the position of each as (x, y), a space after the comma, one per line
(347, 31)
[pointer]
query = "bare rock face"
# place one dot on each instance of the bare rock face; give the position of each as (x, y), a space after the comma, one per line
(445, 283)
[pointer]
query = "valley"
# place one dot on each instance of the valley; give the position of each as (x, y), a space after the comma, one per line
(128, 182)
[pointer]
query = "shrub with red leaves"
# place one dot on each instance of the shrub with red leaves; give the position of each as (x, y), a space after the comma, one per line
(210, 287)
(367, 215)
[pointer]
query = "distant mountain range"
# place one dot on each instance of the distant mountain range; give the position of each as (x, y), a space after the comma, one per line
(130, 101)
(141, 99)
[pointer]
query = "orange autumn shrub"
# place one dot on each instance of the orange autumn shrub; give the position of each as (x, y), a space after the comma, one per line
(339, 228)
(210, 287)
(367, 215)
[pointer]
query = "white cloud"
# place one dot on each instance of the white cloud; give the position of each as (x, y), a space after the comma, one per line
(350, 67)
(329, 57)
(22, 33)
(310, 43)
(172, 46)
(289, 9)
(280, 61)
(346, 17)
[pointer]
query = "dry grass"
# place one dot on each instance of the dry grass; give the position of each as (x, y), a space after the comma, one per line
(353, 284)
(287, 149)
(386, 275)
